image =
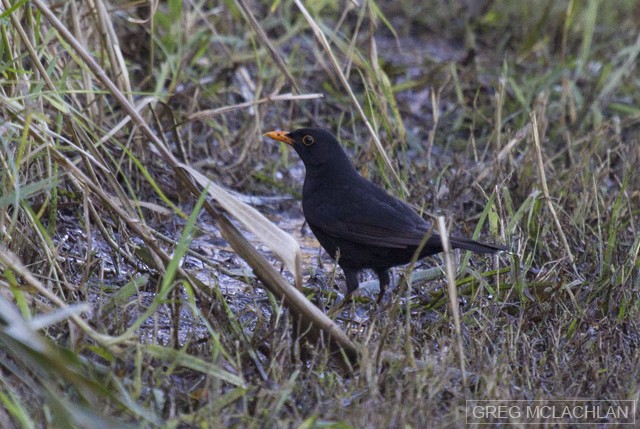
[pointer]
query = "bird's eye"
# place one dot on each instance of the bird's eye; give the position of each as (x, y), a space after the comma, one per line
(308, 140)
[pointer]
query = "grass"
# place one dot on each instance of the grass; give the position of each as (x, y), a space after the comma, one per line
(130, 297)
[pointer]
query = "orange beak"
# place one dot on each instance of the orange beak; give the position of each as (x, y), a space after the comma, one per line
(281, 136)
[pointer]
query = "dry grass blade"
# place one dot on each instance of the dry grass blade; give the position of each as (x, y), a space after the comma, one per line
(265, 39)
(453, 293)
(139, 107)
(117, 62)
(545, 191)
(337, 69)
(435, 108)
(206, 114)
(518, 137)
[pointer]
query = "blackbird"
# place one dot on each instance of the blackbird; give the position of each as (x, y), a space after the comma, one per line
(359, 224)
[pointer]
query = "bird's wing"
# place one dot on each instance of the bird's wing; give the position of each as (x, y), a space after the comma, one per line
(382, 235)
(370, 218)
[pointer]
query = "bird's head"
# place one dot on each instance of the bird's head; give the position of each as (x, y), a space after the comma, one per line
(315, 146)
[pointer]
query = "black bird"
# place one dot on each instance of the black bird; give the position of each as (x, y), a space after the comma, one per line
(359, 224)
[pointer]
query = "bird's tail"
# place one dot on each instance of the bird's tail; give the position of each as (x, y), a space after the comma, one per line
(475, 246)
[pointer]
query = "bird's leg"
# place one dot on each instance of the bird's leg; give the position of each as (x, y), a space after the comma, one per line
(351, 277)
(383, 278)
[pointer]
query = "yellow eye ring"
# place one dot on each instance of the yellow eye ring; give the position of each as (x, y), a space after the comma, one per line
(308, 140)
